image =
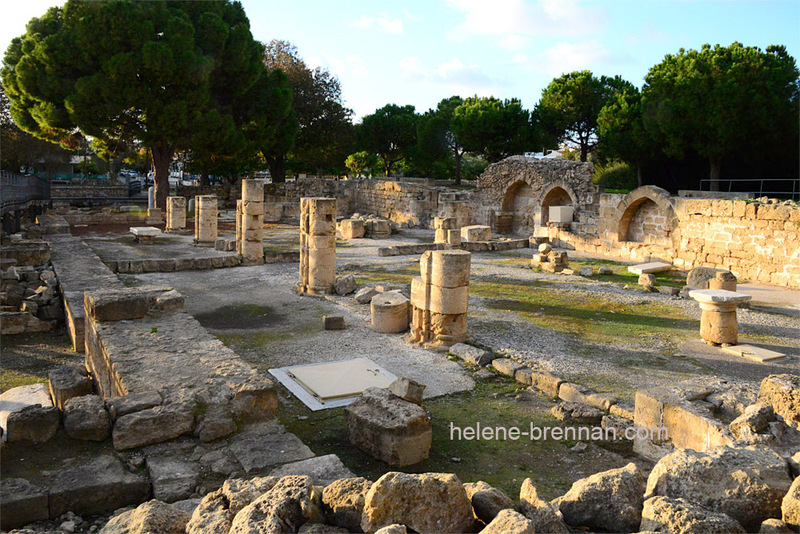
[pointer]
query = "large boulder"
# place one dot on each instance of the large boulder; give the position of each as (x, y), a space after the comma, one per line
(544, 515)
(343, 501)
(509, 522)
(699, 277)
(148, 518)
(389, 428)
(782, 392)
(663, 514)
(745, 483)
(284, 508)
(611, 500)
(429, 503)
(86, 418)
(790, 506)
(345, 284)
(216, 511)
(487, 501)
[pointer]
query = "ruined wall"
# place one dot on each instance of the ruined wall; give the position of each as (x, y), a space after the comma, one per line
(757, 241)
(515, 194)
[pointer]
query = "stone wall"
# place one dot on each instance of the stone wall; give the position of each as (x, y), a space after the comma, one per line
(64, 191)
(515, 194)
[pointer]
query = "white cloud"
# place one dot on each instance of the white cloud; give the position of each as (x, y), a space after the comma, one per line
(453, 75)
(352, 66)
(567, 57)
(382, 22)
(526, 18)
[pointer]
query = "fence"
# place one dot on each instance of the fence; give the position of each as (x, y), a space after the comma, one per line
(791, 189)
(16, 191)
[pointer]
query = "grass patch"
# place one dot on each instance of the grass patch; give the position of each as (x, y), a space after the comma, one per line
(621, 274)
(503, 464)
(589, 317)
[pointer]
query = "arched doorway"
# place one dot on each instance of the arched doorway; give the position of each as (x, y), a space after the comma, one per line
(518, 213)
(557, 196)
(646, 216)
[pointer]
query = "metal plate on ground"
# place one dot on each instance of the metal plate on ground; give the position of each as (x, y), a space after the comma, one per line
(332, 384)
(754, 353)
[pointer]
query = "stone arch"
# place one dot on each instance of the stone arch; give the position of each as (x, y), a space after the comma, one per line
(518, 208)
(558, 193)
(646, 215)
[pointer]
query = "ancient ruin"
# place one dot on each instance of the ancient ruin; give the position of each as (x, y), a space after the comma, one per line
(317, 245)
(176, 214)
(205, 220)
(250, 222)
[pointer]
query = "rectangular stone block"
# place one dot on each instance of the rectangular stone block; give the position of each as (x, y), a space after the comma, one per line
(560, 214)
(352, 228)
(476, 233)
(22, 503)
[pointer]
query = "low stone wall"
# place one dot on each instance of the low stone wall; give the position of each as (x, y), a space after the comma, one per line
(64, 191)
(78, 269)
(172, 376)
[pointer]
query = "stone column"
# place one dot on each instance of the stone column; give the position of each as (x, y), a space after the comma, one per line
(251, 233)
(718, 323)
(239, 226)
(443, 225)
(439, 299)
(205, 220)
(317, 245)
(176, 214)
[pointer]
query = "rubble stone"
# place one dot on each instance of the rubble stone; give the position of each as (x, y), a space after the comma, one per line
(509, 522)
(663, 514)
(86, 418)
(428, 503)
(343, 501)
(487, 501)
(389, 428)
(782, 392)
(27, 413)
(545, 516)
(148, 518)
(66, 382)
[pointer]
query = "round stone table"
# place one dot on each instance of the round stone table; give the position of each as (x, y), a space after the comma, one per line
(718, 324)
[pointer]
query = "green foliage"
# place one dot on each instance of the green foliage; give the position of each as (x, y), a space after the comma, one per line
(390, 132)
(615, 175)
(439, 150)
(361, 163)
(717, 101)
(167, 75)
(493, 128)
(325, 131)
(570, 106)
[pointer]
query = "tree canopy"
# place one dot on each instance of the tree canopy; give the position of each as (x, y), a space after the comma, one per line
(390, 132)
(326, 133)
(493, 128)
(719, 100)
(570, 105)
(169, 75)
(437, 142)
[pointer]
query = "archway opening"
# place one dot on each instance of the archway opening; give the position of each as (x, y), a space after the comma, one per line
(558, 196)
(644, 221)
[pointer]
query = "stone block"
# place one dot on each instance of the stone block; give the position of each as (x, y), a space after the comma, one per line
(22, 503)
(647, 279)
(560, 214)
(67, 382)
(476, 233)
(699, 277)
(154, 425)
(546, 383)
(266, 445)
(86, 418)
(782, 392)
(507, 366)
(323, 470)
(576, 412)
(471, 354)
(364, 295)
(344, 285)
(18, 322)
(389, 428)
(135, 402)
(407, 389)
(570, 392)
(27, 414)
(96, 487)
(173, 479)
(650, 268)
(333, 322)
(352, 228)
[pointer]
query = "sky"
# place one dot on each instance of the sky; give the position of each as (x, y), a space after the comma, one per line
(419, 52)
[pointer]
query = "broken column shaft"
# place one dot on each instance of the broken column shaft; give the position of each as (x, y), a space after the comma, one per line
(176, 214)
(439, 298)
(317, 245)
(251, 227)
(205, 219)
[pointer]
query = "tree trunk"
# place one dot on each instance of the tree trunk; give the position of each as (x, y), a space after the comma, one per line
(277, 169)
(204, 181)
(387, 166)
(639, 175)
(584, 151)
(162, 157)
(715, 164)
(458, 166)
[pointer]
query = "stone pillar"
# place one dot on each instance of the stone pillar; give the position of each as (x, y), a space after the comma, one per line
(443, 225)
(239, 226)
(176, 214)
(389, 313)
(151, 197)
(317, 245)
(251, 228)
(439, 299)
(718, 323)
(205, 220)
